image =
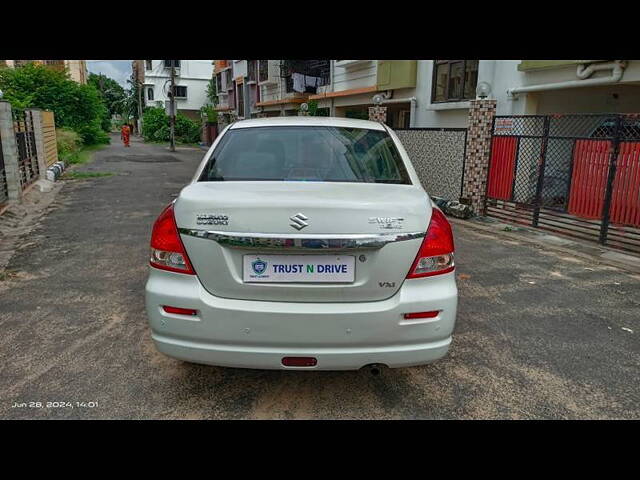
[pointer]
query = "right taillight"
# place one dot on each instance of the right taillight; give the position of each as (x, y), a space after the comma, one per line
(435, 256)
(167, 250)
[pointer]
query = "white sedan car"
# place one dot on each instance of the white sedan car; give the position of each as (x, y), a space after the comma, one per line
(303, 243)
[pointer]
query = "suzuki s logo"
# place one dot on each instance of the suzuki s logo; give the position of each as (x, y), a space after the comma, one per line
(259, 266)
(298, 221)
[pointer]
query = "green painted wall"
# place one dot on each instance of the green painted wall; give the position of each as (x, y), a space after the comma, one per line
(393, 74)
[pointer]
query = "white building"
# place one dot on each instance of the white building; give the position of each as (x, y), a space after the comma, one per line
(430, 93)
(192, 78)
(525, 87)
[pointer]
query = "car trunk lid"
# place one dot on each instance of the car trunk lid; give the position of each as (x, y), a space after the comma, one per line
(379, 225)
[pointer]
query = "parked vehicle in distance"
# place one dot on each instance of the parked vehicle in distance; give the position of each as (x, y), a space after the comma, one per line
(303, 243)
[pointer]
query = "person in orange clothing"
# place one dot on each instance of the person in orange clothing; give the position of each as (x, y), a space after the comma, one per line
(124, 134)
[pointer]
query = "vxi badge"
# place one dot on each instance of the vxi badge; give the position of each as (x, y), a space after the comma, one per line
(212, 219)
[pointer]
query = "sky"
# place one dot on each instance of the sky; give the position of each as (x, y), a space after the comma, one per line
(119, 70)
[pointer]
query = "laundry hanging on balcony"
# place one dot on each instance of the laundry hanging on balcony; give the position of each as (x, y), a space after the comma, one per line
(305, 83)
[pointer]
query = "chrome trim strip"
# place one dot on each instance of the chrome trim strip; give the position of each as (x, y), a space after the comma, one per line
(301, 241)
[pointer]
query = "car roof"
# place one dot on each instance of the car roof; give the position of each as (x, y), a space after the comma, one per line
(308, 121)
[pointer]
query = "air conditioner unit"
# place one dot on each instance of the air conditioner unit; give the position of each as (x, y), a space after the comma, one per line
(268, 71)
(350, 63)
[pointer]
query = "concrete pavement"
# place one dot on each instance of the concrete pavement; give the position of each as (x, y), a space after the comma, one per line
(540, 333)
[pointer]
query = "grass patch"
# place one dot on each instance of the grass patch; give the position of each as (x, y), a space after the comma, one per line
(82, 156)
(78, 175)
(7, 275)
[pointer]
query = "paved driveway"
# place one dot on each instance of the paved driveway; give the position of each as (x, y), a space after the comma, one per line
(540, 334)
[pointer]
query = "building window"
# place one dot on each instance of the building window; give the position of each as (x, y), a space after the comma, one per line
(263, 70)
(180, 91)
(454, 80)
(251, 70)
(240, 98)
(147, 64)
(170, 63)
(150, 94)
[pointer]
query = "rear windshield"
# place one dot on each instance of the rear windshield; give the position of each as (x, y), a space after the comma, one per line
(306, 154)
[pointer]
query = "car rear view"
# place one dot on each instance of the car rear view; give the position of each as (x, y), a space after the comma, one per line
(303, 243)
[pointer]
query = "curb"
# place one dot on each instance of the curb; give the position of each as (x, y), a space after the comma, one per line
(572, 247)
(55, 171)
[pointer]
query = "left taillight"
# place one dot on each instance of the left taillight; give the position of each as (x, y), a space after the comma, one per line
(167, 250)
(435, 256)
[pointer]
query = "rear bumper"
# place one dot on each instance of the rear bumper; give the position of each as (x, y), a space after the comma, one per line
(341, 336)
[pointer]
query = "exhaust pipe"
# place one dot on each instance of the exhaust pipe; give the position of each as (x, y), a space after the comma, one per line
(375, 369)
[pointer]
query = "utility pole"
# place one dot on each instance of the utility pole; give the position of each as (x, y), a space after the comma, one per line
(172, 103)
(139, 125)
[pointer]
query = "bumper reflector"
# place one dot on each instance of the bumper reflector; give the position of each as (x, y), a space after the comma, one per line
(432, 314)
(299, 361)
(180, 311)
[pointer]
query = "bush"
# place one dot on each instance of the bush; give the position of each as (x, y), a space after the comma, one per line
(187, 130)
(79, 107)
(68, 142)
(153, 121)
(156, 128)
(211, 114)
(93, 134)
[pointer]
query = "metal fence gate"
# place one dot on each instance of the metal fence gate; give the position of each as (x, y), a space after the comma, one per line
(573, 174)
(26, 143)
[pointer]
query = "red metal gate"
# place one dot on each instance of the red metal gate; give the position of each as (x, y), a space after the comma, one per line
(502, 167)
(589, 178)
(589, 181)
(625, 200)
(576, 174)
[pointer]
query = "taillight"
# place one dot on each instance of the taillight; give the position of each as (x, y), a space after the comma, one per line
(167, 251)
(435, 256)
(180, 311)
(414, 315)
(299, 361)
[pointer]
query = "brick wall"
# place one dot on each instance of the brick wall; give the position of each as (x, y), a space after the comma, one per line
(378, 114)
(474, 186)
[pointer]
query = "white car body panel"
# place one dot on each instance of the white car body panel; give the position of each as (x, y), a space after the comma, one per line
(266, 207)
(343, 326)
(342, 336)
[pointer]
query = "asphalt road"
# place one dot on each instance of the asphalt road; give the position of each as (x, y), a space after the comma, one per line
(540, 334)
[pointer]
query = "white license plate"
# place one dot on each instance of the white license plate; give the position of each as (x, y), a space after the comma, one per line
(299, 268)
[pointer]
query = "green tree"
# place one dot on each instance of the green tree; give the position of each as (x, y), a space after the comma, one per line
(78, 107)
(212, 92)
(112, 93)
(133, 95)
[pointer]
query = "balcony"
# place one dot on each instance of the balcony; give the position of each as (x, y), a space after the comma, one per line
(530, 65)
(220, 65)
(267, 72)
(395, 74)
(350, 63)
(315, 73)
